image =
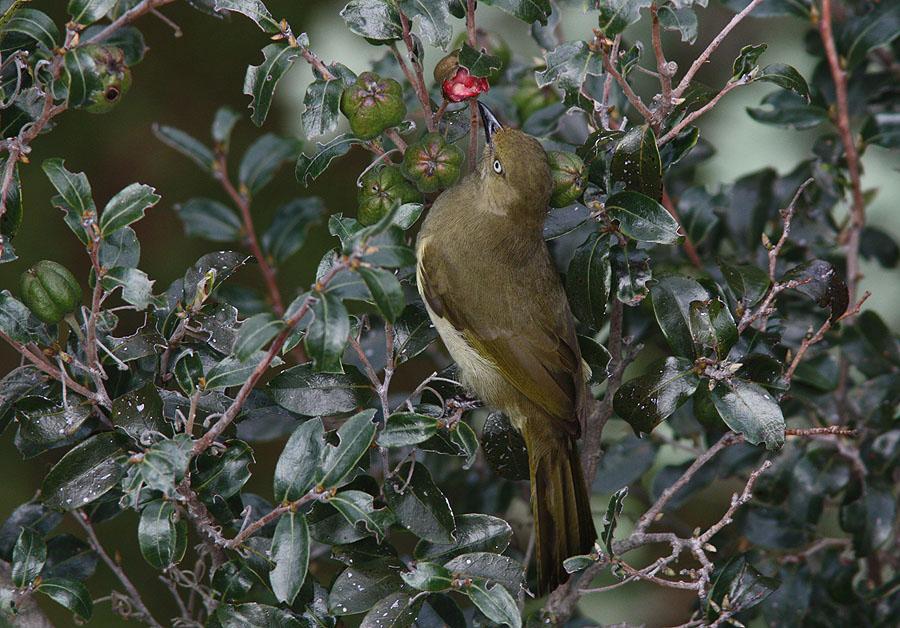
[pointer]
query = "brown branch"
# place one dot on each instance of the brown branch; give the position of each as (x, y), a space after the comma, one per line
(242, 200)
(820, 333)
(471, 37)
(662, 66)
(688, 119)
(90, 349)
(689, 249)
(138, 10)
(787, 216)
(630, 94)
(50, 370)
(418, 82)
(607, 85)
(858, 208)
(252, 528)
(204, 442)
(203, 521)
(85, 522)
(711, 48)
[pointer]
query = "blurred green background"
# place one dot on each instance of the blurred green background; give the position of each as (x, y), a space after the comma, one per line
(183, 80)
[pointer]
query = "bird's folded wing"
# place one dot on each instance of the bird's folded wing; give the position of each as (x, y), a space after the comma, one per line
(539, 361)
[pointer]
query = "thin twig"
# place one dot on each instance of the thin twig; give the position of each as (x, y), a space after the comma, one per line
(711, 48)
(252, 528)
(50, 370)
(689, 119)
(471, 37)
(138, 10)
(607, 85)
(662, 66)
(242, 200)
(858, 208)
(85, 522)
(418, 82)
(630, 94)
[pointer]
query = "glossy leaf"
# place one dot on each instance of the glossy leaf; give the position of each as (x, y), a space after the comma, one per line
(504, 448)
(295, 472)
(474, 533)
(373, 19)
(188, 146)
(35, 24)
(712, 328)
(126, 207)
(649, 399)
(261, 80)
(359, 509)
(85, 473)
(87, 11)
(430, 577)
(28, 557)
(746, 60)
(822, 284)
(263, 159)
(328, 333)
(611, 518)
(323, 99)
(748, 282)
(419, 504)
(631, 272)
(495, 602)
(356, 436)
(74, 196)
(290, 226)
(526, 10)
(222, 476)
(209, 219)
(786, 77)
(636, 162)
(433, 17)
(568, 66)
(302, 390)
(290, 552)
(748, 409)
(642, 218)
(616, 15)
(359, 587)
(588, 281)
(255, 333)
(253, 9)
(494, 567)
(139, 413)
(741, 584)
(386, 291)
(158, 534)
(671, 298)
(70, 594)
(403, 429)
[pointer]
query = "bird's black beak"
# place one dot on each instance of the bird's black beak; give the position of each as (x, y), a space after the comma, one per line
(489, 122)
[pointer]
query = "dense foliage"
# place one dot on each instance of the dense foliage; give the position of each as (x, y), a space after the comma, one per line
(735, 308)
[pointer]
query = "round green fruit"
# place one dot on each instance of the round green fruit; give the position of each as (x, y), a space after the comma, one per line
(114, 75)
(373, 104)
(50, 291)
(530, 98)
(432, 163)
(381, 190)
(569, 176)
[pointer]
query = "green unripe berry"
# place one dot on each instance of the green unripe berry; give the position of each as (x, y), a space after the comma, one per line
(114, 75)
(373, 104)
(432, 163)
(50, 291)
(530, 98)
(569, 176)
(381, 190)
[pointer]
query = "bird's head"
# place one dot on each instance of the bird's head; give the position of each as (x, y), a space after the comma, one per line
(515, 170)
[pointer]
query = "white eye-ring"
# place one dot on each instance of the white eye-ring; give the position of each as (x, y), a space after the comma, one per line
(497, 167)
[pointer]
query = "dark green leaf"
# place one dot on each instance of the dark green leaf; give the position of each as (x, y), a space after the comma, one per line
(358, 507)
(223, 476)
(746, 61)
(356, 436)
(300, 459)
(74, 196)
(255, 333)
(623, 463)
(642, 218)
(419, 504)
(397, 610)
(680, 20)
(373, 19)
(206, 218)
(822, 284)
(426, 576)
(137, 287)
(504, 448)
(358, 588)
(85, 473)
(648, 400)
(788, 110)
(636, 162)
(83, 75)
(494, 567)
(290, 551)
(611, 518)
(32, 515)
(478, 62)
(869, 517)
(309, 168)
(87, 11)
(433, 17)
(28, 558)
(671, 298)
(616, 15)
(387, 293)
(748, 409)
(234, 372)
(43, 424)
(292, 221)
(17, 321)
(222, 126)
(413, 333)
(569, 65)
(595, 356)
(407, 428)
(631, 270)
(748, 282)
(210, 271)
(191, 148)
(158, 534)
(126, 207)
(254, 9)
(712, 328)
(561, 221)
(870, 345)
(785, 76)
(233, 579)
(878, 27)
(739, 586)
(263, 159)
(68, 593)
(882, 129)
(303, 390)
(322, 101)
(261, 80)
(526, 10)
(328, 333)
(588, 281)
(164, 465)
(465, 439)
(474, 533)
(495, 602)
(255, 615)
(139, 414)
(120, 250)
(69, 557)
(35, 24)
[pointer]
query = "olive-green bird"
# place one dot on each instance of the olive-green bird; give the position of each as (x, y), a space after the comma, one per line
(495, 297)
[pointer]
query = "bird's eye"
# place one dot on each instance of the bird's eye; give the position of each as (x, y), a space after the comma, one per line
(497, 167)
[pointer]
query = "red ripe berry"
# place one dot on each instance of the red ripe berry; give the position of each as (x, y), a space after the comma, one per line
(462, 86)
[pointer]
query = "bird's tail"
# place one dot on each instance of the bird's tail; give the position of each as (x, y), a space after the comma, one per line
(561, 507)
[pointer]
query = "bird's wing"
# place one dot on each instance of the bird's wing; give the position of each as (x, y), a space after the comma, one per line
(540, 360)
